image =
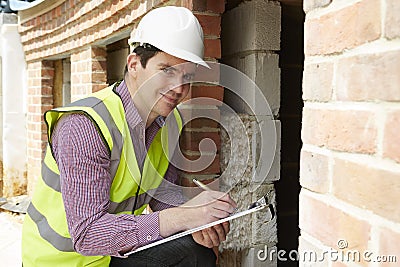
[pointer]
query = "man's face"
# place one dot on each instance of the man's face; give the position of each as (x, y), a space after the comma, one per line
(163, 84)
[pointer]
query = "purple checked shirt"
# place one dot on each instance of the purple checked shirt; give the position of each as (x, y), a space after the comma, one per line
(84, 163)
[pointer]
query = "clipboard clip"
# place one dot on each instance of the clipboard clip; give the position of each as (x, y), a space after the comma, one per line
(265, 201)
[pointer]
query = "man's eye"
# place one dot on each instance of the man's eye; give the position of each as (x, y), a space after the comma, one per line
(168, 71)
(188, 77)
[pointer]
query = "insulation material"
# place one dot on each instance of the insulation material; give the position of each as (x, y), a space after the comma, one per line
(237, 157)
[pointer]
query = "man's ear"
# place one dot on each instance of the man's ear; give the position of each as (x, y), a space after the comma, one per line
(133, 62)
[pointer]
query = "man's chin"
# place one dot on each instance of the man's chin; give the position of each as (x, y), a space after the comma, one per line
(166, 111)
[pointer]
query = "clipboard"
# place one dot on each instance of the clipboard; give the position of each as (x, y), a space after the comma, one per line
(260, 204)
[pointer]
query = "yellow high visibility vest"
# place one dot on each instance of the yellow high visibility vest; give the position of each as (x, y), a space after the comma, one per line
(45, 237)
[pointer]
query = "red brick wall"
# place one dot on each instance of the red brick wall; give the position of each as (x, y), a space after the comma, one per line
(208, 13)
(88, 71)
(74, 29)
(350, 161)
(40, 99)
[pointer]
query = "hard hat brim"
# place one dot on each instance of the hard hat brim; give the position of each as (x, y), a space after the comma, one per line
(185, 56)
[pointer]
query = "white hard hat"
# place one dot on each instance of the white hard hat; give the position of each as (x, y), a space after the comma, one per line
(173, 30)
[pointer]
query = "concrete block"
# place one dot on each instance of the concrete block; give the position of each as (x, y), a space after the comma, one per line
(253, 229)
(250, 152)
(259, 256)
(263, 69)
(268, 152)
(253, 25)
(264, 228)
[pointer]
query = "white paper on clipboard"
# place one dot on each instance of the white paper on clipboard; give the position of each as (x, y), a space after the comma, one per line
(191, 231)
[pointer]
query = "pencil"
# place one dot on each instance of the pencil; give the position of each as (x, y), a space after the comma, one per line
(201, 185)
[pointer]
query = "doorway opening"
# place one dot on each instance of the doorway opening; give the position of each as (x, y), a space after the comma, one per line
(291, 62)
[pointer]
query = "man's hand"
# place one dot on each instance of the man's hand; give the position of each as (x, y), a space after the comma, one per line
(208, 206)
(213, 236)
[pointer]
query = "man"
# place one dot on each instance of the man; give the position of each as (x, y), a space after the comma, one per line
(105, 160)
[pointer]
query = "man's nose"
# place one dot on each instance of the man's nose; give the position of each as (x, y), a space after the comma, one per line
(179, 85)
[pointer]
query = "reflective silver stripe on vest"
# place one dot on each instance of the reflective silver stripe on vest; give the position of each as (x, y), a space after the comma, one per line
(52, 179)
(47, 233)
(116, 136)
(127, 204)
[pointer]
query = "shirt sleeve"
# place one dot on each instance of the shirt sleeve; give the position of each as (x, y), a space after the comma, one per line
(84, 163)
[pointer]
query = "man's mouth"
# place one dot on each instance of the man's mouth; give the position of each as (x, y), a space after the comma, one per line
(169, 99)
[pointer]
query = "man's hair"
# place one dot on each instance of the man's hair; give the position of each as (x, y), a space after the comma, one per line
(145, 52)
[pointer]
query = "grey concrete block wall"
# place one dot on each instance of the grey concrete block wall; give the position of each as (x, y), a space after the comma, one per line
(241, 149)
(252, 26)
(258, 256)
(238, 166)
(250, 42)
(262, 68)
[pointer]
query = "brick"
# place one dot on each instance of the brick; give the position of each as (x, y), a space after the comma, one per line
(392, 19)
(314, 171)
(211, 24)
(47, 100)
(309, 5)
(86, 77)
(216, 6)
(99, 66)
(46, 90)
(195, 117)
(214, 92)
(47, 64)
(98, 53)
(191, 141)
(195, 166)
(367, 186)
(389, 246)
(212, 48)
(329, 224)
(343, 130)
(198, 5)
(208, 75)
(199, 123)
(369, 77)
(75, 79)
(346, 28)
(309, 252)
(391, 144)
(47, 72)
(99, 77)
(317, 81)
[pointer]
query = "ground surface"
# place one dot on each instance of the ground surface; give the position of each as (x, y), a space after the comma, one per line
(10, 238)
